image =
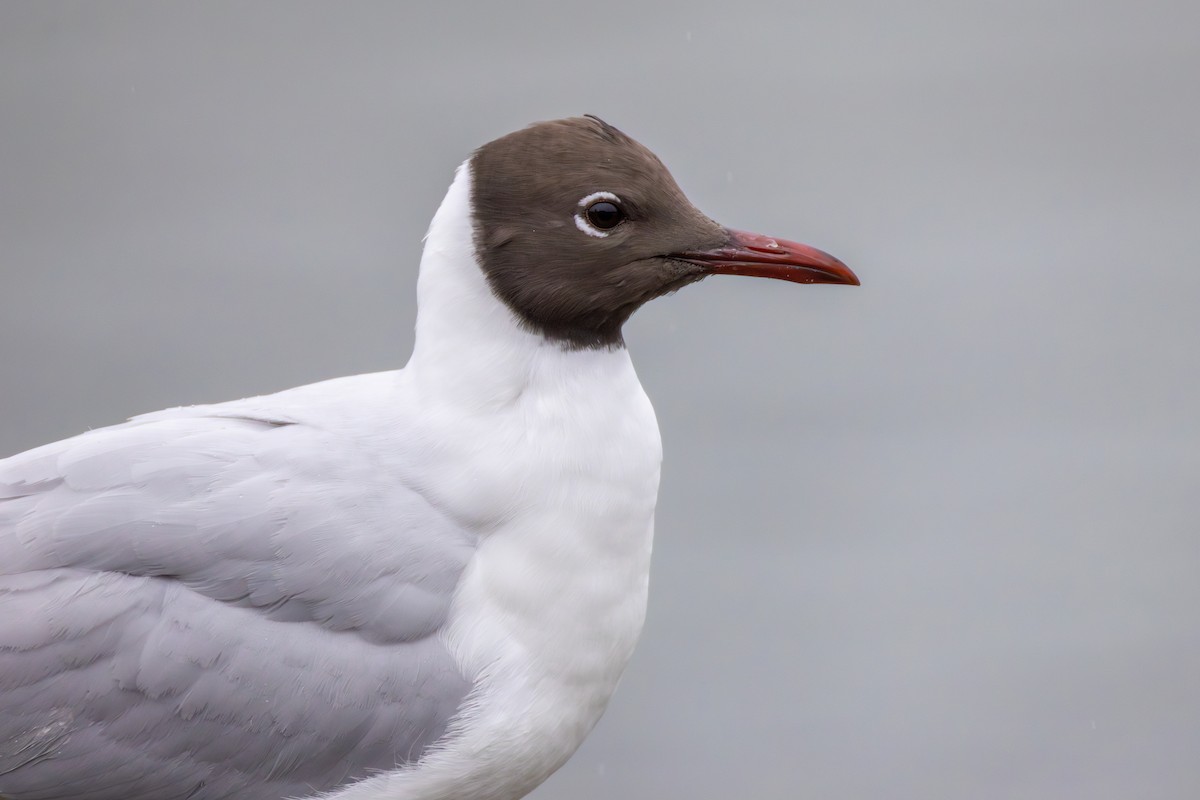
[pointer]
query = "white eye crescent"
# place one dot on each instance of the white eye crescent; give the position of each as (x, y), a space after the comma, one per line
(598, 213)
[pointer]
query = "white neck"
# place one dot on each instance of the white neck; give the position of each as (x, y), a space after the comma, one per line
(552, 456)
(470, 348)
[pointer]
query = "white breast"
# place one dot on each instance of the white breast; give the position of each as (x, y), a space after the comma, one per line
(553, 457)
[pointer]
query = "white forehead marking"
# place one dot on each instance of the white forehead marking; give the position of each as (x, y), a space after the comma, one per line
(581, 221)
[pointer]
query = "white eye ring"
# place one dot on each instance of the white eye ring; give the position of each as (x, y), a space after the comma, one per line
(581, 221)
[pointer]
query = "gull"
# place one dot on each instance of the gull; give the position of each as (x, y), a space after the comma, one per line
(420, 584)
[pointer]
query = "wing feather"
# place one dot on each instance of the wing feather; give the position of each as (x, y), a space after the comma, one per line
(199, 601)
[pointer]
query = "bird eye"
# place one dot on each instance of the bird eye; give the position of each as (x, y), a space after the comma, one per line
(605, 215)
(598, 213)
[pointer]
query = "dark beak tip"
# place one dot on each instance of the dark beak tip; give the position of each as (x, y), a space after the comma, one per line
(848, 276)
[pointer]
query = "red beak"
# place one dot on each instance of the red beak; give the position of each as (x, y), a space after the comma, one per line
(764, 257)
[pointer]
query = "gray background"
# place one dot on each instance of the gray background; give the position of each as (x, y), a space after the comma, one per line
(933, 538)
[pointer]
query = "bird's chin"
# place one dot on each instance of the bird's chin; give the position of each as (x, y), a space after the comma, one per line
(678, 283)
(678, 274)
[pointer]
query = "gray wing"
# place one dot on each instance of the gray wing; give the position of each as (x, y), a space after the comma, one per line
(207, 607)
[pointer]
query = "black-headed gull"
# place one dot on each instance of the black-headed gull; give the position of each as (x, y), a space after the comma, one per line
(401, 586)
